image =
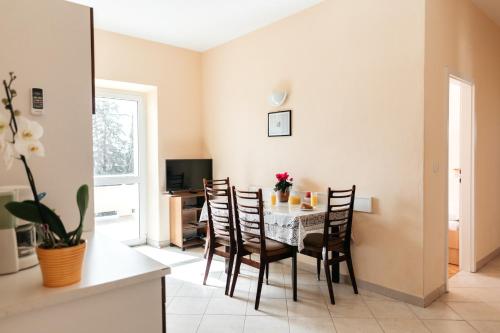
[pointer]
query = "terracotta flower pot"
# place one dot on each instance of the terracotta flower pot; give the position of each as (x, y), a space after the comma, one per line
(282, 195)
(61, 267)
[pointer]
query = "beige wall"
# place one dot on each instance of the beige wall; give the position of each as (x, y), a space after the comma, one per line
(354, 70)
(460, 39)
(175, 72)
(61, 66)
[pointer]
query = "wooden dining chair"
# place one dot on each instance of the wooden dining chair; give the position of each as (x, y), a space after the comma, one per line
(221, 238)
(251, 239)
(336, 236)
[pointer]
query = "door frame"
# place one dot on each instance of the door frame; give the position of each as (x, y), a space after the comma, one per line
(142, 158)
(467, 197)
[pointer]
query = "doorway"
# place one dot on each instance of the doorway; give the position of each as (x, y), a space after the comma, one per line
(119, 158)
(460, 224)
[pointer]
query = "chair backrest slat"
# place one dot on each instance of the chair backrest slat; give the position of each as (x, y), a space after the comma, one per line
(338, 217)
(248, 204)
(220, 209)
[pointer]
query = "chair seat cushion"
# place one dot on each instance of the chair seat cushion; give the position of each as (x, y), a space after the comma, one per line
(314, 242)
(272, 247)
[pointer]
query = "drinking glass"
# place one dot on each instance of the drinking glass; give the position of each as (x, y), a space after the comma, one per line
(273, 198)
(314, 199)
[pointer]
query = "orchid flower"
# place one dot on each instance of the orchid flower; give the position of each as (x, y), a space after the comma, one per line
(28, 148)
(28, 130)
(27, 138)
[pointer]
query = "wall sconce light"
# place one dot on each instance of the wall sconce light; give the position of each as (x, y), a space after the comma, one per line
(277, 97)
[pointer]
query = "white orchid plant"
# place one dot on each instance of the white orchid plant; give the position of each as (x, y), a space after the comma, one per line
(20, 140)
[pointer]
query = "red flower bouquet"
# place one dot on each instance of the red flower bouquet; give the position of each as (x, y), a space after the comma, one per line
(283, 185)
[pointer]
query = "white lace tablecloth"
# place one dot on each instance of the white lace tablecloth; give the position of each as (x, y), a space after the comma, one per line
(287, 223)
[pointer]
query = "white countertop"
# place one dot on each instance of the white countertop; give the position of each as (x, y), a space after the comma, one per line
(108, 264)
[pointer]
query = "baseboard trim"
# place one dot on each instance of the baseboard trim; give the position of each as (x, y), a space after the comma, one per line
(156, 243)
(486, 259)
(434, 295)
(388, 292)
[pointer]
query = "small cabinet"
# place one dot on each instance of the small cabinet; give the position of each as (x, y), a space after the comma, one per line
(184, 212)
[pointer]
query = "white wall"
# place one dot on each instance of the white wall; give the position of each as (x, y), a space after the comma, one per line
(47, 44)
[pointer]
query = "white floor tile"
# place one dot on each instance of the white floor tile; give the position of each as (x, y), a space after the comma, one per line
(351, 325)
(195, 290)
(350, 310)
(311, 325)
(390, 310)
(402, 326)
(221, 324)
(307, 308)
(461, 295)
(266, 324)
(183, 323)
(476, 311)
(449, 326)
(437, 310)
(226, 306)
(268, 291)
(268, 306)
(188, 305)
(486, 326)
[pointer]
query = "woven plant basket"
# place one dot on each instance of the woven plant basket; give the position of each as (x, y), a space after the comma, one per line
(61, 267)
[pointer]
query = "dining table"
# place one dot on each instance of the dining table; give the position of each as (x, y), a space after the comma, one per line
(289, 224)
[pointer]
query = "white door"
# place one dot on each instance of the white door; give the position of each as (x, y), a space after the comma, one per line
(119, 186)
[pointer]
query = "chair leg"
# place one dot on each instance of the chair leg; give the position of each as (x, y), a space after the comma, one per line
(235, 275)
(351, 273)
(209, 262)
(259, 285)
(318, 268)
(207, 243)
(329, 280)
(229, 271)
(294, 273)
(335, 268)
(267, 273)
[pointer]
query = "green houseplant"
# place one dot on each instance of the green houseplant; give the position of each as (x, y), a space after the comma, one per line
(60, 252)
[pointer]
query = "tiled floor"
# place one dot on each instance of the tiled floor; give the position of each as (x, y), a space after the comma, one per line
(472, 305)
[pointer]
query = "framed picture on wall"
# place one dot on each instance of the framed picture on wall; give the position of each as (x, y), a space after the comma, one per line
(279, 123)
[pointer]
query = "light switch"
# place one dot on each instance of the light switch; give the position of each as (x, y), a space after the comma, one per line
(363, 204)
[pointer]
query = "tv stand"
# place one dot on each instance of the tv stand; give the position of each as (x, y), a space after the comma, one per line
(184, 212)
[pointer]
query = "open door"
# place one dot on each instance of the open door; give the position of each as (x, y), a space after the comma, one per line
(460, 177)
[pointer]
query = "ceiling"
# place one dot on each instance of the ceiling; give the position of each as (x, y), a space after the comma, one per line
(193, 24)
(491, 8)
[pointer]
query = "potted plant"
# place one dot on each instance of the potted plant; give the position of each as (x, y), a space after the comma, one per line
(60, 252)
(283, 185)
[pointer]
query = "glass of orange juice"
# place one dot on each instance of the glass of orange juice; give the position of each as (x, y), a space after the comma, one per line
(314, 199)
(294, 198)
(273, 198)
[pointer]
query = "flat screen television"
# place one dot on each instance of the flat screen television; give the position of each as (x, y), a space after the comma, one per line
(187, 175)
